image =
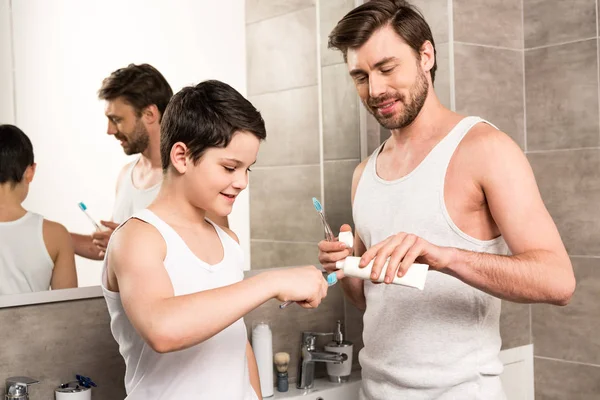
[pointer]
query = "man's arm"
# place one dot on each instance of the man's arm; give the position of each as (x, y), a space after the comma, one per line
(85, 247)
(253, 370)
(60, 248)
(539, 269)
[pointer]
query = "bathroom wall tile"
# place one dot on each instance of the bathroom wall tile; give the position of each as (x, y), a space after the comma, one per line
(436, 15)
(331, 12)
(562, 96)
(442, 74)
(354, 329)
(571, 333)
(373, 133)
(282, 52)
(341, 125)
(287, 325)
(515, 327)
(292, 122)
(384, 134)
(257, 10)
(489, 22)
(338, 188)
(551, 22)
(489, 84)
(270, 254)
(53, 342)
(570, 186)
(558, 380)
(281, 206)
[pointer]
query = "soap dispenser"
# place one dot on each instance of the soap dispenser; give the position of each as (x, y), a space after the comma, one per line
(339, 372)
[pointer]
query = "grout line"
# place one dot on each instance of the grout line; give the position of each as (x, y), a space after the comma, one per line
(488, 46)
(451, 57)
(278, 15)
(562, 150)
(283, 90)
(598, 66)
(567, 361)
(283, 166)
(524, 81)
(282, 241)
(320, 103)
(560, 44)
(582, 256)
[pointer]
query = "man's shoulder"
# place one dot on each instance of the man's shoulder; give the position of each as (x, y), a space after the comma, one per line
(483, 141)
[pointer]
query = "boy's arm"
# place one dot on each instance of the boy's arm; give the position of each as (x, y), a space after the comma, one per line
(253, 370)
(59, 246)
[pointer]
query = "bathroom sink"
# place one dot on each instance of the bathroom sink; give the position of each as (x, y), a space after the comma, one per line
(323, 390)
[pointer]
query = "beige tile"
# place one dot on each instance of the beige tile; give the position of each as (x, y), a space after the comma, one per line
(557, 380)
(338, 187)
(489, 22)
(570, 186)
(436, 15)
(287, 325)
(489, 84)
(280, 204)
(257, 10)
(562, 96)
(56, 341)
(571, 333)
(442, 75)
(270, 254)
(354, 329)
(551, 22)
(292, 122)
(331, 12)
(282, 52)
(515, 327)
(341, 125)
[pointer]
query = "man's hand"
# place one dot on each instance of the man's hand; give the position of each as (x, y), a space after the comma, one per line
(405, 249)
(100, 238)
(330, 252)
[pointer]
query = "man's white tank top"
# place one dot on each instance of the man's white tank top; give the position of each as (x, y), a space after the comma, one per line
(443, 342)
(25, 265)
(131, 199)
(214, 369)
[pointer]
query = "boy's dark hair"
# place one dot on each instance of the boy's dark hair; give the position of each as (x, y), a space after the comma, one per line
(358, 25)
(139, 85)
(16, 154)
(204, 116)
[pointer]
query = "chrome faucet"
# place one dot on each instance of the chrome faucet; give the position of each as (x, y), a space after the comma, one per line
(17, 387)
(309, 356)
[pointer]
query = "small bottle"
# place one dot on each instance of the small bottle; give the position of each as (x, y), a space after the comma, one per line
(262, 344)
(414, 277)
(340, 372)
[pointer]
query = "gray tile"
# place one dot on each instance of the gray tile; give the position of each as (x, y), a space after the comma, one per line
(436, 15)
(515, 327)
(570, 186)
(257, 10)
(287, 325)
(571, 333)
(338, 187)
(58, 340)
(562, 96)
(557, 380)
(292, 122)
(384, 134)
(280, 204)
(331, 12)
(489, 83)
(373, 133)
(341, 124)
(354, 329)
(269, 254)
(442, 75)
(489, 22)
(282, 52)
(551, 22)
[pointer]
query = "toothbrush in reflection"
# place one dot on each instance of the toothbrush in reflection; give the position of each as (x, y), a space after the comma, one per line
(331, 278)
(83, 208)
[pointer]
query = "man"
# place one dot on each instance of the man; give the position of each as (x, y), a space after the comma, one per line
(35, 254)
(136, 98)
(444, 190)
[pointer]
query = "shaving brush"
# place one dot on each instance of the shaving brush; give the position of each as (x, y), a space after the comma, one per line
(282, 361)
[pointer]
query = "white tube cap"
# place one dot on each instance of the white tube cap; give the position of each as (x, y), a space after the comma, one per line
(347, 238)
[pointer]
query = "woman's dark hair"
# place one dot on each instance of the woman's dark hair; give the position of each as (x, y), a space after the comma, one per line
(16, 154)
(204, 116)
(359, 24)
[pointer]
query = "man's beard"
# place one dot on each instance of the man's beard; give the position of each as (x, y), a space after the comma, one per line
(137, 142)
(418, 95)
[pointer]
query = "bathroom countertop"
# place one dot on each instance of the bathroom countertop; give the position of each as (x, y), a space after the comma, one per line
(321, 385)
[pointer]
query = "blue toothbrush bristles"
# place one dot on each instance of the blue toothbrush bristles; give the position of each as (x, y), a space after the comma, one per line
(317, 205)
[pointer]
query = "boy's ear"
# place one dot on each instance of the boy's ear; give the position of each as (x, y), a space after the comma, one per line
(29, 173)
(179, 158)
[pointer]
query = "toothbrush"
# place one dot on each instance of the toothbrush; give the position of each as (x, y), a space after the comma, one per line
(331, 278)
(83, 208)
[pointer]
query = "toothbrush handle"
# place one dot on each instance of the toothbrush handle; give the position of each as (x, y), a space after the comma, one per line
(285, 304)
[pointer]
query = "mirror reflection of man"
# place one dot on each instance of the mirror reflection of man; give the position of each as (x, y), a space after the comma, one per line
(136, 97)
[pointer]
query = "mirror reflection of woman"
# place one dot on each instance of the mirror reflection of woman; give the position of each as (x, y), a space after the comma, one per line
(35, 254)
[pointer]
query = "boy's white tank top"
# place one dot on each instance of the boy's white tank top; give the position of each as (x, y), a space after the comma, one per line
(443, 342)
(214, 369)
(25, 265)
